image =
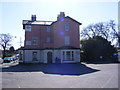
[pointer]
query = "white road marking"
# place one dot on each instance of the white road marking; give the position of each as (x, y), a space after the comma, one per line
(19, 86)
(107, 82)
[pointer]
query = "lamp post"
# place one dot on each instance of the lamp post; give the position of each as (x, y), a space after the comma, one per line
(20, 41)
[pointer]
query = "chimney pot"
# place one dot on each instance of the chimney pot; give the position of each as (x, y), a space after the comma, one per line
(33, 18)
(61, 15)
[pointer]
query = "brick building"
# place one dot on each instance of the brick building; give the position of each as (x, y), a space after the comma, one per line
(51, 41)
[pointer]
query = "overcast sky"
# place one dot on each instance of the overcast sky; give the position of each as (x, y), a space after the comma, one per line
(12, 13)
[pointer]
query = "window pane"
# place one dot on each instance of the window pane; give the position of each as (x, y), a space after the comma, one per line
(34, 40)
(28, 42)
(68, 55)
(66, 27)
(48, 29)
(34, 55)
(67, 40)
(48, 39)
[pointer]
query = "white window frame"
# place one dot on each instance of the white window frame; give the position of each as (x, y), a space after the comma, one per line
(64, 55)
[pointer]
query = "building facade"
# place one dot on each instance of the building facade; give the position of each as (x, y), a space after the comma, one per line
(51, 41)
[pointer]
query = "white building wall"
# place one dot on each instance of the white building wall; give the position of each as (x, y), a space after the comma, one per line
(77, 55)
(119, 56)
(45, 56)
(29, 56)
(42, 56)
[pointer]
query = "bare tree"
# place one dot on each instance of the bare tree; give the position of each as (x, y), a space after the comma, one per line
(5, 40)
(107, 30)
(115, 34)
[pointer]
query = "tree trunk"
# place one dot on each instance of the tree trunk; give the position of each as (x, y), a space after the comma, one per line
(4, 51)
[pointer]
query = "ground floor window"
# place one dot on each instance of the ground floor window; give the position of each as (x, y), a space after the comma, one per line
(35, 56)
(68, 55)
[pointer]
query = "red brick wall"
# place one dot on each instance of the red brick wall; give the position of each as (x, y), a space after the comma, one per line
(60, 33)
(57, 35)
(41, 33)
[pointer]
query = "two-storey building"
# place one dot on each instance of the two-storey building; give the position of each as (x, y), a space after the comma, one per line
(51, 41)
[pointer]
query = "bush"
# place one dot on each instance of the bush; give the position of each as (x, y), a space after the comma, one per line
(97, 49)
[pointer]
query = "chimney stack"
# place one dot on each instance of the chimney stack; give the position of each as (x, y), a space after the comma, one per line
(33, 18)
(60, 16)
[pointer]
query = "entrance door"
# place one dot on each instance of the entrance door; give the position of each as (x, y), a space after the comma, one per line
(49, 57)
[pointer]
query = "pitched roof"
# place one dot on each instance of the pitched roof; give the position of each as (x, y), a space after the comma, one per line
(46, 22)
(73, 20)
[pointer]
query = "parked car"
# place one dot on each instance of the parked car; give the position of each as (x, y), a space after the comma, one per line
(14, 58)
(17, 56)
(1, 60)
(8, 59)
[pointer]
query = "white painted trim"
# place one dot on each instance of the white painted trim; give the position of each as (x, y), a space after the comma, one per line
(63, 61)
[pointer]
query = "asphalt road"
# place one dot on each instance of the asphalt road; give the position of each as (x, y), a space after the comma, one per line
(104, 75)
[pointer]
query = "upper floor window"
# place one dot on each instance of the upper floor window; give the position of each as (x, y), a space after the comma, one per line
(66, 27)
(48, 29)
(28, 42)
(48, 39)
(67, 40)
(34, 40)
(27, 27)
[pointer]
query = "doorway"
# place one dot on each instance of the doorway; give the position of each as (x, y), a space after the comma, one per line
(49, 57)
